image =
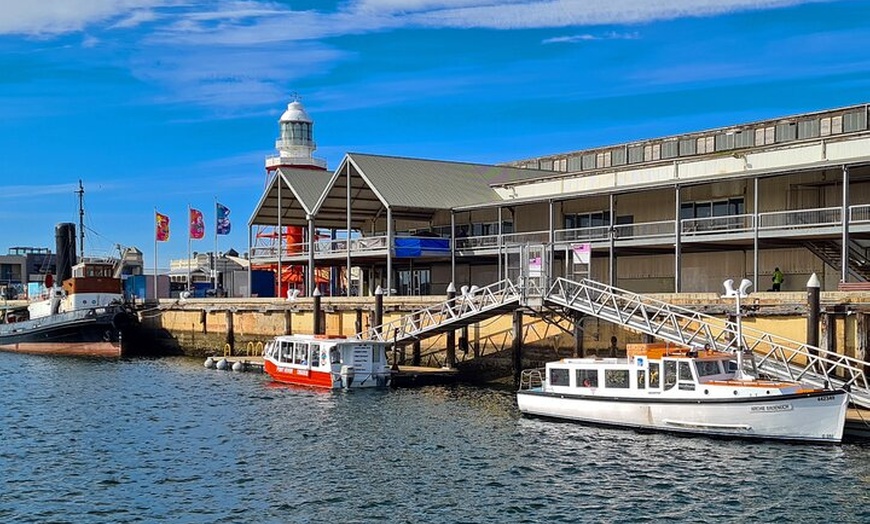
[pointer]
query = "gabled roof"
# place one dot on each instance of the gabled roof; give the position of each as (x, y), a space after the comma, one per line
(436, 184)
(300, 190)
(411, 189)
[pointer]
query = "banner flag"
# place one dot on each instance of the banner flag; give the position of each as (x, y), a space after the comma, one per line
(223, 219)
(162, 232)
(197, 225)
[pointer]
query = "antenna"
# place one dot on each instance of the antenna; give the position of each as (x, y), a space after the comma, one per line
(81, 194)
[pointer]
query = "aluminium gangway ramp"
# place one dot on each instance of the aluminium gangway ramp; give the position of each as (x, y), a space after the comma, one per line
(454, 313)
(777, 356)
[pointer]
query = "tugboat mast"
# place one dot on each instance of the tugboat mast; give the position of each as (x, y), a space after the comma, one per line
(81, 194)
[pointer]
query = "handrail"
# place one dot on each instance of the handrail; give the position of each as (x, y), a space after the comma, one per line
(779, 356)
(491, 297)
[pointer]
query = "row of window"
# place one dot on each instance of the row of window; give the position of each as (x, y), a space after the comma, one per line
(674, 371)
(296, 132)
(726, 140)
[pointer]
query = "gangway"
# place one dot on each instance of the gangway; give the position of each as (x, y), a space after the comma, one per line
(454, 313)
(776, 356)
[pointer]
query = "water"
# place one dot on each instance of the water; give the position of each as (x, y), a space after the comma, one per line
(167, 440)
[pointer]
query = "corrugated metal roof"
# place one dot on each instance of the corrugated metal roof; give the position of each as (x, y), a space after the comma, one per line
(436, 184)
(306, 184)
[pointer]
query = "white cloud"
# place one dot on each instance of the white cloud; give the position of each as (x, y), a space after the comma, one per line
(22, 191)
(564, 13)
(231, 21)
(47, 17)
(573, 39)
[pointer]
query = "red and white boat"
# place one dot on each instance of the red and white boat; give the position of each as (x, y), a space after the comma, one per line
(327, 362)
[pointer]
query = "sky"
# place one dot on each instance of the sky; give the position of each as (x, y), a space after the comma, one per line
(165, 104)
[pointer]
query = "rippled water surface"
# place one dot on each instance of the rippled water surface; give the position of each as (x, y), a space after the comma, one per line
(167, 440)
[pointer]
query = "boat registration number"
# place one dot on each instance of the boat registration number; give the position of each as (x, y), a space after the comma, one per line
(772, 408)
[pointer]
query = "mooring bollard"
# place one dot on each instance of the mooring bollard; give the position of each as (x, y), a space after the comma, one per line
(317, 326)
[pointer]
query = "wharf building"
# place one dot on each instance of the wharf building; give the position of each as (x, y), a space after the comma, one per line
(677, 214)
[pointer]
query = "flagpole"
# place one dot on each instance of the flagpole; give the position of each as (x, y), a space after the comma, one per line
(155, 254)
(189, 286)
(214, 258)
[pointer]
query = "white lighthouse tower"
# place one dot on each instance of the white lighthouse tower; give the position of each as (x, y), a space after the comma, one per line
(295, 149)
(296, 144)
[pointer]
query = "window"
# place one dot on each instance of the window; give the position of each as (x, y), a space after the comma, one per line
(587, 378)
(670, 149)
(705, 369)
(635, 154)
(717, 208)
(688, 147)
(285, 354)
(580, 220)
(654, 375)
(670, 374)
(559, 377)
(786, 132)
(686, 371)
(300, 352)
(616, 378)
(809, 128)
(856, 121)
(617, 157)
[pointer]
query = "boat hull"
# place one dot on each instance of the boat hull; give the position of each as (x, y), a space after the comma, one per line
(99, 332)
(299, 377)
(816, 416)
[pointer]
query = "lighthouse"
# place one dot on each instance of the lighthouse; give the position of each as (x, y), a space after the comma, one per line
(295, 151)
(296, 144)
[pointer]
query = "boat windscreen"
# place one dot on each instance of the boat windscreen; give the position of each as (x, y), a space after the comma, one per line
(706, 368)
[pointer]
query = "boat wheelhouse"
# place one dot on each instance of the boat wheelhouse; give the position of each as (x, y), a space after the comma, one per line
(326, 362)
(673, 389)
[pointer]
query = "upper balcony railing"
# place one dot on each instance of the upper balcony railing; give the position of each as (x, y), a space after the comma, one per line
(803, 220)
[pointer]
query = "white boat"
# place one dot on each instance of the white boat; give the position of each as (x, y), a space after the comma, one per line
(680, 390)
(327, 362)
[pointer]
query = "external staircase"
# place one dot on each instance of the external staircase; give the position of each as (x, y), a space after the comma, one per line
(831, 253)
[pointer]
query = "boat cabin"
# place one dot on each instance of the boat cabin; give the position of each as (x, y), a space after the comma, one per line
(327, 361)
(655, 369)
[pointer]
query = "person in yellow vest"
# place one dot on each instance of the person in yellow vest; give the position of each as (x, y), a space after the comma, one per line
(778, 278)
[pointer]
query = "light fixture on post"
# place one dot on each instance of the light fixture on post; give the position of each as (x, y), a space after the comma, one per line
(740, 292)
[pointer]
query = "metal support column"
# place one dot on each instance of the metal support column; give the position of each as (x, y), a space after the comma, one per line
(452, 246)
(450, 356)
(844, 262)
(755, 224)
(347, 232)
(548, 254)
(279, 180)
(309, 280)
(500, 239)
(612, 235)
(250, 257)
(390, 240)
(678, 269)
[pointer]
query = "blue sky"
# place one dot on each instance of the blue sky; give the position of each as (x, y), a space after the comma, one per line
(170, 103)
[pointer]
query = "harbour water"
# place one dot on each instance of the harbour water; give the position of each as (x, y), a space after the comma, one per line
(167, 440)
